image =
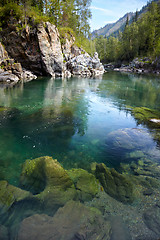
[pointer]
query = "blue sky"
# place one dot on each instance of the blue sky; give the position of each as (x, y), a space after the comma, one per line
(107, 11)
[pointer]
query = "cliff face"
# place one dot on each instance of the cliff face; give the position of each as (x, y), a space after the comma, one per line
(39, 50)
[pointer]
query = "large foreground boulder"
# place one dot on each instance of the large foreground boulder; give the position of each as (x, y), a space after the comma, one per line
(54, 186)
(48, 180)
(115, 184)
(72, 222)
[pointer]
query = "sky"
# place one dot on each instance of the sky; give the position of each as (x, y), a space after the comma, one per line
(109, 11)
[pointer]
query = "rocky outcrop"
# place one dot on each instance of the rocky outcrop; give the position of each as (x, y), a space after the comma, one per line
(50, 49)
(40, 50)
(138, 65)
(72, 222)
(115, 184)
(11, 72)
(84, 65)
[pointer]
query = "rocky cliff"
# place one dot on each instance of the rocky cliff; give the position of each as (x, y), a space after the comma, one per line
(39, 49)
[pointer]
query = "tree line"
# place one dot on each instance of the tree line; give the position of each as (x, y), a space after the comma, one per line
(74, 14)
(141, 38)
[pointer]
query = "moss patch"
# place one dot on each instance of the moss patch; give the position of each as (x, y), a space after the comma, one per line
(115, 184)
(144, 115)
(85, 183)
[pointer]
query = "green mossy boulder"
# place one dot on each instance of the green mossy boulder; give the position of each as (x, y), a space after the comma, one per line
(48, 180)
(10, 194)
(85, 183)
(115, 184)
(44, 171)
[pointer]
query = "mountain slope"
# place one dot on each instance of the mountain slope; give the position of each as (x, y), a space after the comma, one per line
(114, 28)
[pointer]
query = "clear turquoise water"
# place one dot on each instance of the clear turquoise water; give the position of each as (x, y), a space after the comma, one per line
(70, 120)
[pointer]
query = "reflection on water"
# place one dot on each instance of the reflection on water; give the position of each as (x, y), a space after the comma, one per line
(80, 122)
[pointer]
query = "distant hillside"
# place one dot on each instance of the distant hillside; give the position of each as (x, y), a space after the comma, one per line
(114, 28)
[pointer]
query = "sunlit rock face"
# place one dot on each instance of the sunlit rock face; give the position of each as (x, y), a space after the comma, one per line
(40, 49)
(50, 48)
(84, 65)
(3, 53)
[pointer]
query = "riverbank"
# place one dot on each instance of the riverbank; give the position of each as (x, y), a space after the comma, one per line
(41, 50)
(138, 65)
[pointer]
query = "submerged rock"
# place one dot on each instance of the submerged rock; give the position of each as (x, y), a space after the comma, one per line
(72, 222)
(152, 219)
(10, 195)
(45, 177)
(4, 233)
(130, 139)
(85, 183)
(119, 229)
(115, 184)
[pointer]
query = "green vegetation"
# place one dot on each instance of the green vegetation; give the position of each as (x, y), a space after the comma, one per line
(141, 38)
(68, 15)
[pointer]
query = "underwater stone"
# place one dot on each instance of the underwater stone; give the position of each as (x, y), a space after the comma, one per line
(86, 184)
(3, 233)
(130, 139)
(152, 219)
(74, 221)
(119, 229)
(115, 184)
(44, 171)
(10, 194)
(58, 188)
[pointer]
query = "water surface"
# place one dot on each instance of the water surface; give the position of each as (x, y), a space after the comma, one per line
(70, 120)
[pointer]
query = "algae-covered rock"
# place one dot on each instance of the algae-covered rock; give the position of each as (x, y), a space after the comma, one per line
(148, 117)
(48, 180)
(9, 195)
(143, 114)
(73, 221)
(44, 171)
(86, 183)
(115, 184)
